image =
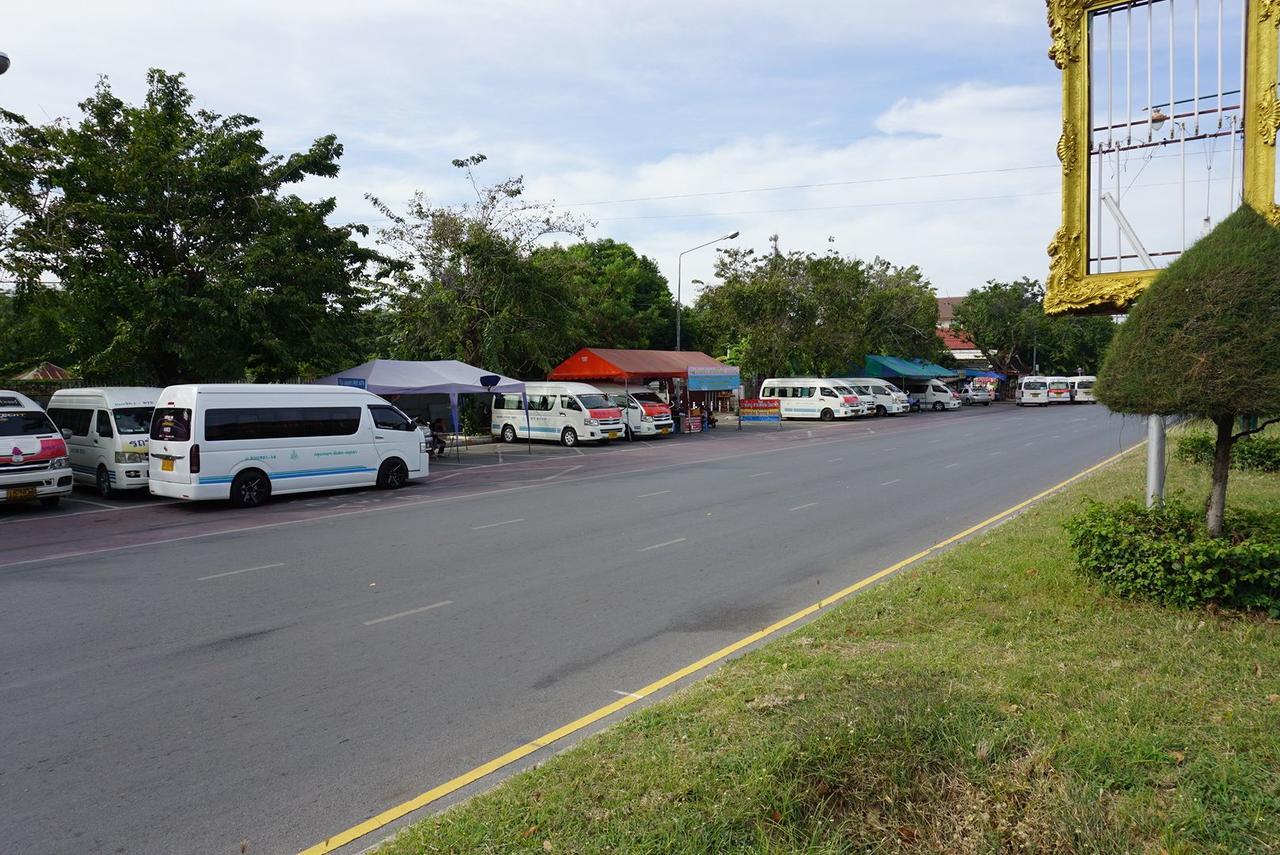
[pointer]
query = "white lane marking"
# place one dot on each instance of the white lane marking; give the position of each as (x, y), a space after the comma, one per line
(951, 466)
(894, 481)
(1056, 436)
(934, 441)
(95, 504)
(648, 495)
(555, 475)
(433, 479)
(238, 572)
(410, 612)
(496, 491)
(628, 694)
(759, 474)
(802, 507)
(1080, 420)
(992, 454)
(494, 525)
(835, 460)
(1025, 444)
(668, 543)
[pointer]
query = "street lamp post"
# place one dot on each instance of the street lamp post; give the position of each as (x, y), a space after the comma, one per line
(679, 277)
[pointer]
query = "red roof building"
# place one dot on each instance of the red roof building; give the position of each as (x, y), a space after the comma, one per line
(618, 366)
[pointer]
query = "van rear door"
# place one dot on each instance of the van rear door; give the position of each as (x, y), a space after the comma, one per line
(171, 445)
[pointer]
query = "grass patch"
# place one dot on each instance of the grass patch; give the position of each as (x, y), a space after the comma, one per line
(990, 699)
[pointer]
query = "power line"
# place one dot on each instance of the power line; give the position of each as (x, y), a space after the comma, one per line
(832, 207)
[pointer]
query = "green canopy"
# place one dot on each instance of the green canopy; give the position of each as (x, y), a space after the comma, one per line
(910, 369)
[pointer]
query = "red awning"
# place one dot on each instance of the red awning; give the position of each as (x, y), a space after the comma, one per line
(606, 363)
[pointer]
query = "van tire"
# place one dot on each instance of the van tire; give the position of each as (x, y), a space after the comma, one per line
(102, 481)
(508, 434)
(250, 489)
(937, 406)
(568, 437)
(986, 403)
(51, 501)
(881, 411)
(392, 474)
(827, 416)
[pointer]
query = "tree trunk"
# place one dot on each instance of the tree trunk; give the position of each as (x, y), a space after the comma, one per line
(1221, 467)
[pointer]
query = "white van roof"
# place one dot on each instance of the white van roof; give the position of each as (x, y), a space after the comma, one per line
(570, 388)
(261, 389)
(17, 401)
(114, 396)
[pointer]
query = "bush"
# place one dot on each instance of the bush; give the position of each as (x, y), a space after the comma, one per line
(1254, 453)
(1164, 554)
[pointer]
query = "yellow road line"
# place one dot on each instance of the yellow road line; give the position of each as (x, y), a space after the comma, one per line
(390, 815)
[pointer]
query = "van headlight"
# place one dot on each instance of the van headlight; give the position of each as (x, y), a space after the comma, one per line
(646, 418)
(131, 457)
(591, 421)
(58, 463)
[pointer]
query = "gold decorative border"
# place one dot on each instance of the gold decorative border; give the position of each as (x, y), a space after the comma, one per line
(1070, 287)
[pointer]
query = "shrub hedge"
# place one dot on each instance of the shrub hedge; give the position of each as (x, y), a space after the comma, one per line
(1165, 554)
(1256, 453)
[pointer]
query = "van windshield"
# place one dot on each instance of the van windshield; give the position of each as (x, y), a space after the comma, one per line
(648, 398)
(171, 424)
(133, 419)
(1034, 384)
(892, 388)
(596, 402)
(1084, 384)
(25, 423)
(1059, 384)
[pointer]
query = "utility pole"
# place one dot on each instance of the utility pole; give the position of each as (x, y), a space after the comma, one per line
(680, 277)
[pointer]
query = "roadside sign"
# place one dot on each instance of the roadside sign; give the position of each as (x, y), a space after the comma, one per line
(767, 410)
(713, 379)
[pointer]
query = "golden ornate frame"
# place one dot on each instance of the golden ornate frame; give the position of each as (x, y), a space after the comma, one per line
(1071, 288)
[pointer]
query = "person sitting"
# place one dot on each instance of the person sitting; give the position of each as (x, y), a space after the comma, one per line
(710, 418)
(438, 444)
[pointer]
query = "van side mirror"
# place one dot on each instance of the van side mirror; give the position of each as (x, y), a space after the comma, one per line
(66, 433)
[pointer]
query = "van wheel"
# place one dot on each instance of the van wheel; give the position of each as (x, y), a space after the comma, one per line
(508, 434)
(250, 489)
(51, 501)
(568, 437)
(103, 482)
(827, 415)
(881, 411)
(392, 474)
(937, 406)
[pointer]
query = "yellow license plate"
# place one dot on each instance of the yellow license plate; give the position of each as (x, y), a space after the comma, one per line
(18, 493)
(166, 465)
(613, 434)
(664, 430)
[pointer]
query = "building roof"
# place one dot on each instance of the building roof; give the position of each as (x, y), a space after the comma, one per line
(46, 371)
(947, 308)
(956, 340)
(607, 363)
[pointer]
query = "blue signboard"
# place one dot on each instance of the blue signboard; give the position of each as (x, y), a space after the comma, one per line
(354, 382)
(713, 379)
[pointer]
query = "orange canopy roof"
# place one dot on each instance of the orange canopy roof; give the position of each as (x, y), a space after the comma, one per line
(606, 363)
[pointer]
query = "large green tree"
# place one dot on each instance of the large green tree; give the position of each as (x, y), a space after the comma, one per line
(467, 287)
(1007, 324)
(168, 230)
(1204, 340)
(799, 312)
(621, 299)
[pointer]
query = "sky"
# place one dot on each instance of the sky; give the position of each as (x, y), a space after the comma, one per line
(924, 129)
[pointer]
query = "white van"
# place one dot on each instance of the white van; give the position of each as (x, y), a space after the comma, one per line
(812, 398)
(106, 433)
(1082, 389)
(244, 442)
(33, 456)
(1032, 391)
(563, 412)
(1059, 390)
(644, 413)
(884, 397)
(934, 394)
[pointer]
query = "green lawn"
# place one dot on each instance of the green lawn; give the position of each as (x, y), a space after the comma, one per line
(989, 699)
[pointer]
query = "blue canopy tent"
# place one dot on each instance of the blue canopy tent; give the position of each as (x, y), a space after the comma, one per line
(438, 377)
(908, 369)
(989, 375)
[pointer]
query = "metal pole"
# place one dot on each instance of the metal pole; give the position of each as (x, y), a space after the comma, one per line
(1155, 461)
(1195, 64)
(1173, 98)
(679, 279)
(1151, 108)
(1183, 156)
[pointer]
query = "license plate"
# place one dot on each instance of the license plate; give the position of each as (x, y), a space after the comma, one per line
(664, 430)
(15, 494)
(613, 434)
(166, 465)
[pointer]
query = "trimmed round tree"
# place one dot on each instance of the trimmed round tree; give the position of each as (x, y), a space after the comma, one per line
(1204, 340)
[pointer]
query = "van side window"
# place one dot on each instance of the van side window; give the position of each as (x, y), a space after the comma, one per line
(783, 392)
(828, 393)
(570, 403)
(766, 392)
(104, 424)
(389, 418)
(74, 419)
(241, 423)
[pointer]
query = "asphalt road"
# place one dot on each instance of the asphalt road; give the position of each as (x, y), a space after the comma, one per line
(179, 678)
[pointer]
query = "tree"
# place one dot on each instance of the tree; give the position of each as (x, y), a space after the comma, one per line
(466, 286)
(1007, 324)
(1204, 340)
(804, 313)
(621, 299)
(179, 254)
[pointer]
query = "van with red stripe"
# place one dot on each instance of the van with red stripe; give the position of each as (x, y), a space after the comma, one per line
(33, 455)
(567, 413)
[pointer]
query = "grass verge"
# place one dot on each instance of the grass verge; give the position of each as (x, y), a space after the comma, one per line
(990, 699)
